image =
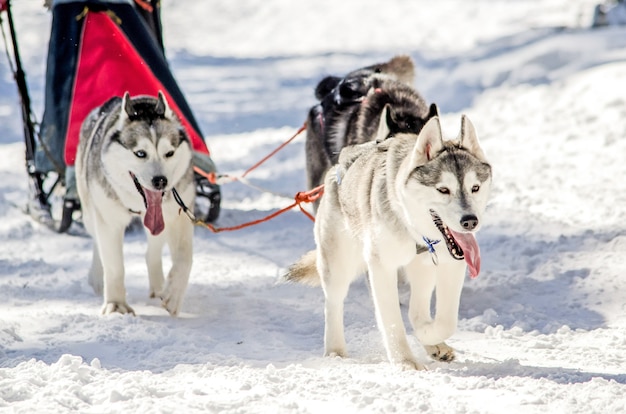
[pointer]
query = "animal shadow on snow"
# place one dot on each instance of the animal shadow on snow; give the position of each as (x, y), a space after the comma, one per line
(528, 288)
(512, 368)
(255, 320)
(219, 325)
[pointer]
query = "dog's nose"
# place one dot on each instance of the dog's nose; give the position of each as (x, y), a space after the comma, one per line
(159, 182)
(469, 222)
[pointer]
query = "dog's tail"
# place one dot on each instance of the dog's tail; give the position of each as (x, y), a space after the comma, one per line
(305, 270)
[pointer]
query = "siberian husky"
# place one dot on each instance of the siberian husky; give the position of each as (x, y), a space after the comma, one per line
(132, 153)
(412, 202)
(348, 107)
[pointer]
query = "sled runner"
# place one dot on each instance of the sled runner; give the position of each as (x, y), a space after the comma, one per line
(97, 50)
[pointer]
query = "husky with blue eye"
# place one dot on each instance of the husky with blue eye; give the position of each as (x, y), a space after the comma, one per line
(132, 153)
(412, 202)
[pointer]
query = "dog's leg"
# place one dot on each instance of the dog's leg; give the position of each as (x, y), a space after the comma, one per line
(96, 274)
(448, 286)
(339, 262)
(384, 283)
(154, 262)
(180, 241)
(422, 279)
(110, 237)
(337, 267)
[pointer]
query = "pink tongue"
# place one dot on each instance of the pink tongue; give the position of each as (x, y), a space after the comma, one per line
(154, 215)
(470, 248)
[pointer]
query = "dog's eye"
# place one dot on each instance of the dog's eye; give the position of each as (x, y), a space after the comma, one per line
(443, 190)
(169, 154)
(140, 154)
(475, 188)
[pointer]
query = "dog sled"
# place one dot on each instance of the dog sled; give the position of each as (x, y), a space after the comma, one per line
(609, 13)
(98, 49)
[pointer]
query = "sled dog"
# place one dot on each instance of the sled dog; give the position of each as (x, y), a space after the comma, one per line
(412, 202)
(349, 109)
(132, 152)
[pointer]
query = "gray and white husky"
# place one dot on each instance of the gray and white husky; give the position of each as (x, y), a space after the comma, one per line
(412, 202)
(132, 153)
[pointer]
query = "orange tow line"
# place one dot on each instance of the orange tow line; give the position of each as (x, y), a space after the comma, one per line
(300, 197)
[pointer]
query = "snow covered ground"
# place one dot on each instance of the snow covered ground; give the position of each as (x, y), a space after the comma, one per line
(542, 329)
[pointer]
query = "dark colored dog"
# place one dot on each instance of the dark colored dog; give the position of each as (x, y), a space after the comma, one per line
(349, 111)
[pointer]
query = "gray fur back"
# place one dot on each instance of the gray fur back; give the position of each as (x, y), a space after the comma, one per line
(94, 136)
(335, 118)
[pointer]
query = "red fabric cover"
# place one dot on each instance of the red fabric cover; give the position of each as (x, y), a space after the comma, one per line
(109, 65)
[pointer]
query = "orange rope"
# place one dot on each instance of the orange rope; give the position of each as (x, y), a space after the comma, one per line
(145, 5)
(302, 128)
(213, 177)
(301, 197)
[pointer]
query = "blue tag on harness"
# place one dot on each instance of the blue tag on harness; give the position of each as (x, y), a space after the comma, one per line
(430, 245)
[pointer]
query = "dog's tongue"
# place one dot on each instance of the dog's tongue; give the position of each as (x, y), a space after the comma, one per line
(470, 248)
(154, 215)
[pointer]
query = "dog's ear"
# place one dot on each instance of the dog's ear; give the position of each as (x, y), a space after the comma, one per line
(126, 111)
(403, 68)
(383, 124)
(127, 104)
(469, 140)
(429, 143)
(162, 107)
(325, 86)
(433, 111)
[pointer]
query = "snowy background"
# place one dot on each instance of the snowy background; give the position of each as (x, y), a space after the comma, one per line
(542, 329)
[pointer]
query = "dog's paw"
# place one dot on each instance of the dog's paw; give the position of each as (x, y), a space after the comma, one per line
(336, 353)
(171, 306)
(409, 364)
(117, 307)
(172, 299)
(156, 288)
(440, 352)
